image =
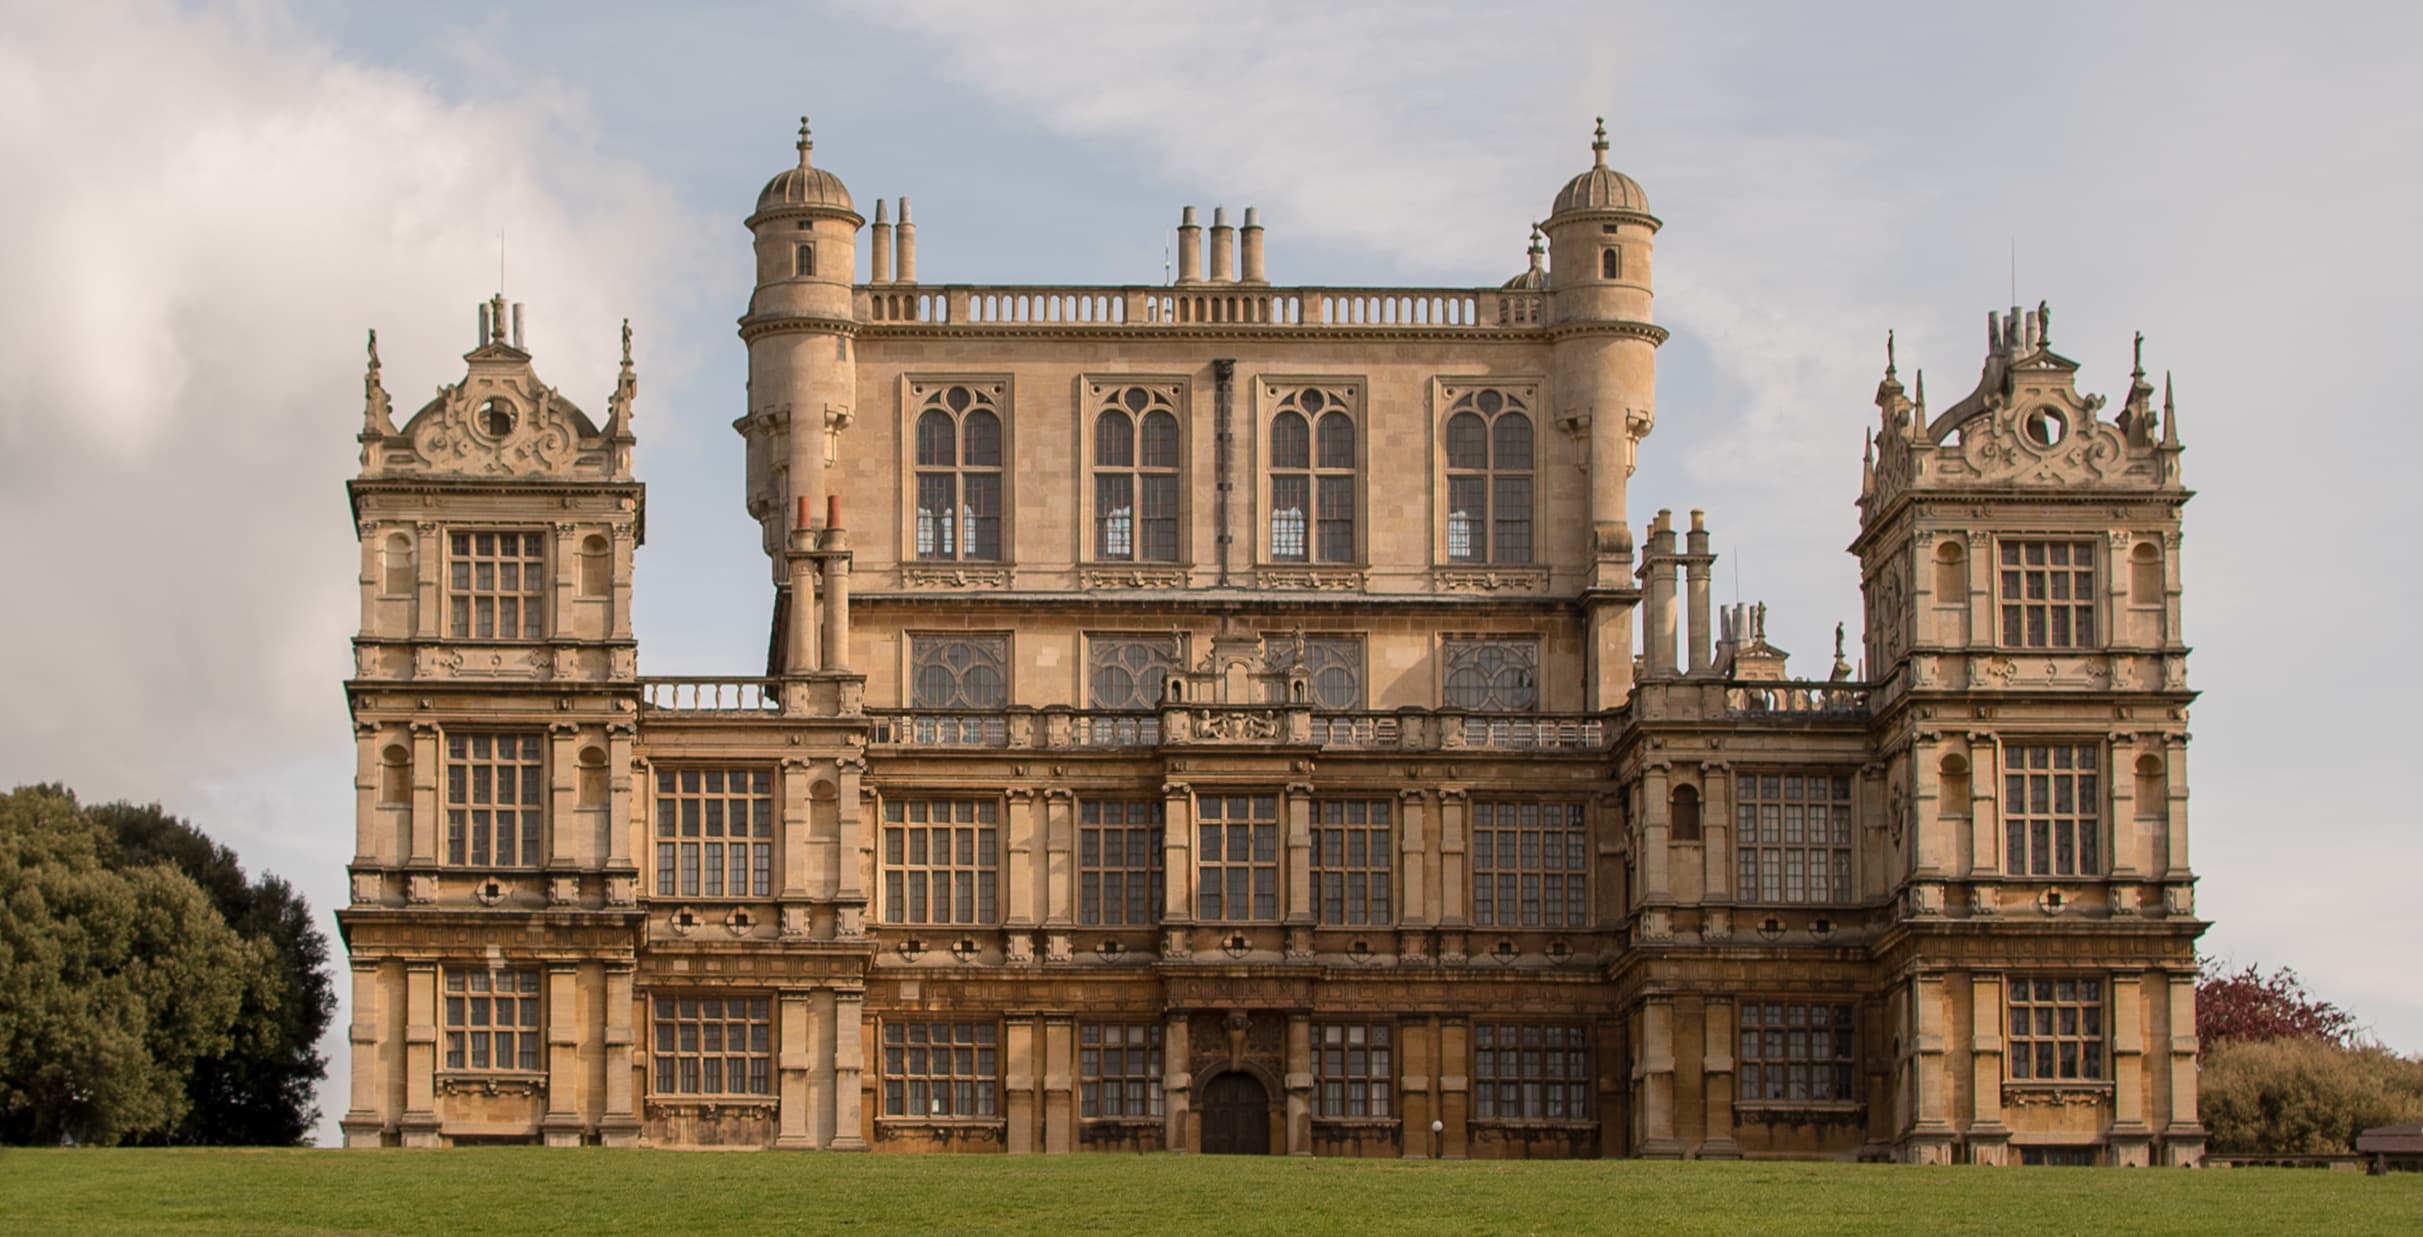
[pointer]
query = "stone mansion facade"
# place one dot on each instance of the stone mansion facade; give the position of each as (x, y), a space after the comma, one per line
(1240, 717)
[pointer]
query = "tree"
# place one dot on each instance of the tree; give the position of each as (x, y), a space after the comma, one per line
(2303, 1095)
(2249, 1005)
(118, 980)
(259, 1090)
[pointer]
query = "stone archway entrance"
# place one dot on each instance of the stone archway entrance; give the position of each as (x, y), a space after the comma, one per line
(1236, 1115)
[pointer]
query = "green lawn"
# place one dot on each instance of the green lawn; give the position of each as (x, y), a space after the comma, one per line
(518, 1191)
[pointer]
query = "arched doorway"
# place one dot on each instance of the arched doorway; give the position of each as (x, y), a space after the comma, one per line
(1236, 1116)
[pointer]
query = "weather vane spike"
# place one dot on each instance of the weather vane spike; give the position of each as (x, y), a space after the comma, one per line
(805, 144)
(1598, 141)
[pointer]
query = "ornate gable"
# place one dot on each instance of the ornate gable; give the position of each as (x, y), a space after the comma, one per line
(500, 421)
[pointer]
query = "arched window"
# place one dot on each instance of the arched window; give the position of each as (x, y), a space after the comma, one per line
(959, 474)
(1611, 262)
(596, 567)
(803, 263)
(1136, 476)
(399, 576)
(1489, 466)
(395, 776)
(1682, 816)
(1312, 477)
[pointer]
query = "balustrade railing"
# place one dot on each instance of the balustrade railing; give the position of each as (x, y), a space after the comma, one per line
(1129, 307)
(709, 695)
(1534, 734)
(943, 729)
(1796, 697)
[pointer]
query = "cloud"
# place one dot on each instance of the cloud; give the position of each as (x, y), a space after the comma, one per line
(210, 208)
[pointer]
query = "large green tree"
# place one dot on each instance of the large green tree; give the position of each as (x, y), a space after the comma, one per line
(259, 1089)
(117, 979)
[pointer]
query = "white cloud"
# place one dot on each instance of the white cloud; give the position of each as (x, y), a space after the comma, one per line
(207, 213)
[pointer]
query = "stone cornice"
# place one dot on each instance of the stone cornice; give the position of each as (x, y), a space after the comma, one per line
(757, 326)
(1620, 327)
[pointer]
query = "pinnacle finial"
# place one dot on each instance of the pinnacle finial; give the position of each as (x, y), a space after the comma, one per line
(805, 143)
(374, 350)
(1889, 353)
(1920, 400)
(1598, 144)
(626, 343)
(2137, 366)
(2044, 324)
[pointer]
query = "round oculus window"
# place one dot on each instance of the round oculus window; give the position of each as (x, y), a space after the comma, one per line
(2046, 427)
(496, 418)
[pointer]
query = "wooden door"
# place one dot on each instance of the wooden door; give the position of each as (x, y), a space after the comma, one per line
(1236, 1116)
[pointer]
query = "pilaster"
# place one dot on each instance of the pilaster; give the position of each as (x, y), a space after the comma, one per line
(849, 1069)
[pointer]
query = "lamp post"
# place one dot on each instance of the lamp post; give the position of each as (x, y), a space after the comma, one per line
(1437, 1128)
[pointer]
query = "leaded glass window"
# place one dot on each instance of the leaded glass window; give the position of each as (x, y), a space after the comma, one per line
(1490, 675)
(1136, 479)
(959, 672)
(1313, 482)
(958, 470)
(1127, 672)
(1792, 836)
(1489, 477)
(2051, 810)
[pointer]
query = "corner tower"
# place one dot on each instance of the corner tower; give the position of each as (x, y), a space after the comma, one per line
(799, 329)
(1604, 371)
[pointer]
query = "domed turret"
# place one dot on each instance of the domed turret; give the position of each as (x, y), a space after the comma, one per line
(1534, 278)
(804, 187)
(1602, 187)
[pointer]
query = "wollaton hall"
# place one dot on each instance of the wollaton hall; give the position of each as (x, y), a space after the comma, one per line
(1234, 716)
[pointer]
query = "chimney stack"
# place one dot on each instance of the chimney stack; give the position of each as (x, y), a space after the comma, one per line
(908, 246)
(1223, 247)
(1190, 248)
(1249, 246)
(879, 268)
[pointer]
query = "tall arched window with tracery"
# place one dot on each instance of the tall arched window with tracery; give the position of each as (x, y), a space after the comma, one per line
(958, 441)
(1489, 471)
(1136, 476)
(1312, 476)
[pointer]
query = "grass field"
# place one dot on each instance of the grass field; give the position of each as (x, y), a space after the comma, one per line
(518, 1191)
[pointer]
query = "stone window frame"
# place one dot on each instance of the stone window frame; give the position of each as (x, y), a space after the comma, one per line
(1785, 1043)
(924, 393)
(1137, 889)
(474, 1003)
(2029, 618)
(1338, 876)
(1119, 1072)
(1536, 879)
(1354, 1070)
(1537, 1075)
(474, 815)
(969, 875)
(2039, 1033)
(1216, 872)
(1132, 654)
(2045, 836)
(679, 1064)
(1789, 858)
(1277, 395)
(921, 650)
(1345, 652)
(470, 549)
(967, 1086)
(1107, 393)
(682, 841)
(1462, 651)
(1457, 397)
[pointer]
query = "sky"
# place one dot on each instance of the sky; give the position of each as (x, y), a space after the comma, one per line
(213, 202)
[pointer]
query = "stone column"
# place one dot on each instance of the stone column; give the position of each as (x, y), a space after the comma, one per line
(854, 811)
(419, 1123)
(1454, 1038)
(1455, 886)
(1716, 825)
(623, 804)
(562, 1126)
(1299, 1084)
(1929, 1138)
(823, 1036)
(619, 1127)
(563, 586)
(428, 810)
(1021, 1045)
(1988, 1014)
(1300, 905)
(797, 878)
(1060, 858)
(1413, 870)
(1657, 582)
(849, 1066)
(618, 625)
(365, 1121)
(1657, 889)
(2183, 1141)
(428, 611)
(1019, 865)
(1657, 1081)
(563, 845)
(1177, 854)
(1177, 1083)
(1059, 1069)
(1985, 804)
(793, 1060)
(1717, 1080)
(836, 625)
(2131, 1139)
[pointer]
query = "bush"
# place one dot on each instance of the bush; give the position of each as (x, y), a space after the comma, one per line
(2303, 1095)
